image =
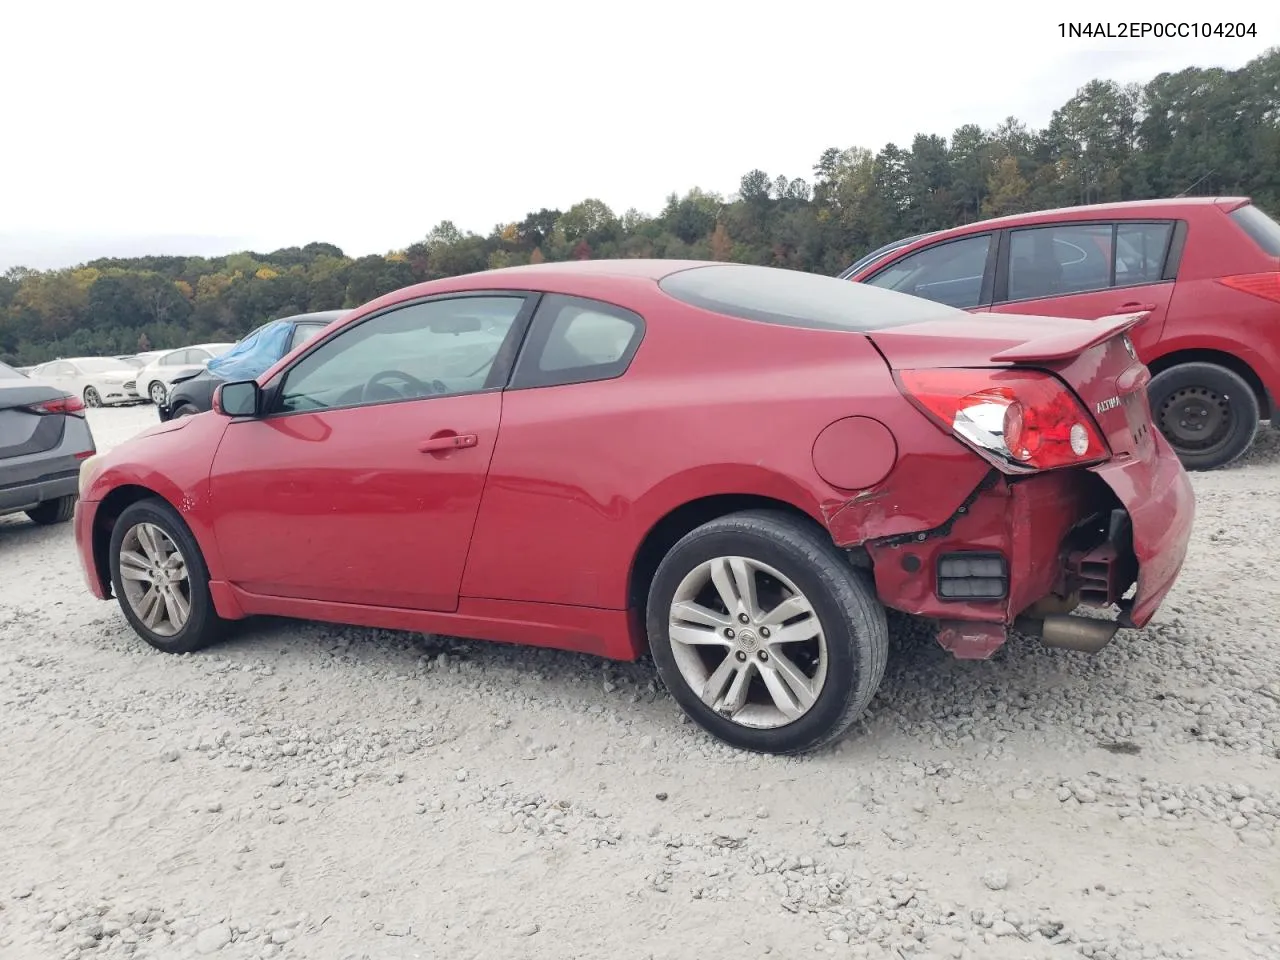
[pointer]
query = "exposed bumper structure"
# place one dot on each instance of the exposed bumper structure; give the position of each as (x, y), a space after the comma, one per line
(1024, 553)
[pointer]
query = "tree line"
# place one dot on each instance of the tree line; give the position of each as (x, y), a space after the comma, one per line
(1194, 132)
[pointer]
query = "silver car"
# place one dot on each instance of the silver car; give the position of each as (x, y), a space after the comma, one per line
(44, 436)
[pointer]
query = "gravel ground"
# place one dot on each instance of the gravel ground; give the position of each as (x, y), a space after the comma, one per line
(327, 792)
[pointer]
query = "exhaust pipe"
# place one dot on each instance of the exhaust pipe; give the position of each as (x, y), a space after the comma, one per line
(1070, 632)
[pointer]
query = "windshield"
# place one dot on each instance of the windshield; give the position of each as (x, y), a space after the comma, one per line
(102, 365)
(133, 362)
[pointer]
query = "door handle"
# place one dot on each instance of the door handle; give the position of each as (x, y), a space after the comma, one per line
(450, 441)
(1134, 305)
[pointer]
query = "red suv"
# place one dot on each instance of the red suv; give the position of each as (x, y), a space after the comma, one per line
(1204, 270)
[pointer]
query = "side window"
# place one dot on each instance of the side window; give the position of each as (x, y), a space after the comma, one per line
(197, 355)
(575, 340)
(62, 369)
(172, 359)
(431, 349)
(1140, 252)
(1059, 260)
(302, 332)
(949, 273)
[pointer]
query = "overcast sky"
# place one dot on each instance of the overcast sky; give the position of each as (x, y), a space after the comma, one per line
(171, 127)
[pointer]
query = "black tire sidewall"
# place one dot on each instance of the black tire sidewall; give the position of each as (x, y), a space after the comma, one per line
(201, 625)
(1243, 411)
(844, 656)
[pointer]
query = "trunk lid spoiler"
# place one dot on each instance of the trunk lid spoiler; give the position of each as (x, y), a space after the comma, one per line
(1070, 343)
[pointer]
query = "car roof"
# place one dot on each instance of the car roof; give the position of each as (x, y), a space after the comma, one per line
(1126, 209)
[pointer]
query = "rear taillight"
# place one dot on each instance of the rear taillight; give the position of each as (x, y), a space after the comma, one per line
(1265, 285)
(67, 405)
(1022, 420)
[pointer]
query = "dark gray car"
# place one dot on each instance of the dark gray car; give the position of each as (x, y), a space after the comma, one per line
(43, 439)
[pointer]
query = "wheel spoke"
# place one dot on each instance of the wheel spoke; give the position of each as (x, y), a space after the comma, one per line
(176, 608)
(149, 608)
(787, 685)
(798, 632)
(697, 636)
(690, 612)
(788, 609)
(736, 698)
(718, 681)
(147, 540)
(735, 582)
(134, 566)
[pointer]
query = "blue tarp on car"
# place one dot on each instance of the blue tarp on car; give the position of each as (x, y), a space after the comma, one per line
(253, 355)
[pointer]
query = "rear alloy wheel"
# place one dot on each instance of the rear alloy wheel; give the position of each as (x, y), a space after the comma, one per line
(92, 398)
(158, 393)
(160, 579)
(53, 511)
(765, 634)
(1208, 413)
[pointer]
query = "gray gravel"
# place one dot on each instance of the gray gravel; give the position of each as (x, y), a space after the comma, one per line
(328, 792)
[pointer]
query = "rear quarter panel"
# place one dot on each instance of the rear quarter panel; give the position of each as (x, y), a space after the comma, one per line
(710, 405)
(1206, 315)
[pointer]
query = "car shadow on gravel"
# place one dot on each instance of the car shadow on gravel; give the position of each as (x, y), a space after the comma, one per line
(926, 693)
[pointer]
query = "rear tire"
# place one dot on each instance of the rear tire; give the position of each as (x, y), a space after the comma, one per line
(1209, 414)
(185, 410)
(144, 541)
(838, 633)
(53, 511)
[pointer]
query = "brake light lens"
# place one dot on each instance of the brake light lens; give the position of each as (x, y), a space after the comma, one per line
(1265, 285)
(1020, 420)
(73, 406)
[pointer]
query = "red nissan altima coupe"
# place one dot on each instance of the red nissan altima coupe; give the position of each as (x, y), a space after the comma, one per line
(735, 468)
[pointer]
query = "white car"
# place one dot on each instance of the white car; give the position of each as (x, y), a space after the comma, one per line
(100, 381)
(155, 380)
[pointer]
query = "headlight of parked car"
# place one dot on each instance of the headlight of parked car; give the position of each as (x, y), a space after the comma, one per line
(86, 472)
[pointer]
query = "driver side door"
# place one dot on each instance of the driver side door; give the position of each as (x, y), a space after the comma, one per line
(361, 482)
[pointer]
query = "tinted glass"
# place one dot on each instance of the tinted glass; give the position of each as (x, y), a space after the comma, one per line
(949, 273)
(439, 348)
(1140, 252)
(879, 253)
(585, 337)
(1059, 260)
(1264, 231)
(797, 299)
(304, 332)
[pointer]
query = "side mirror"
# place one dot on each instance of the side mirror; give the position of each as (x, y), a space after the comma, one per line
(243, 398)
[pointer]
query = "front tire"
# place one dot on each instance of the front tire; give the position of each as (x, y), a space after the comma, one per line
(184, 410)
(157, 393)
(53, 511)
(160, 579)
(764, 633)
(1209, 414)
(92, 398)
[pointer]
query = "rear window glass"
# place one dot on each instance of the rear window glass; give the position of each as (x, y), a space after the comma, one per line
(1264, 231)
(794, 298)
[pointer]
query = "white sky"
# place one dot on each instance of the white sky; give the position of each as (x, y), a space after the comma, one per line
(177, 127)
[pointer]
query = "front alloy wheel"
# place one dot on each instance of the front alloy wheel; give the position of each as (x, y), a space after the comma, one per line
(158, 393)
(160, 580)
(92, 398)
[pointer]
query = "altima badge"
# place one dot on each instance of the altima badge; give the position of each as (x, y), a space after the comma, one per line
(1108, 404)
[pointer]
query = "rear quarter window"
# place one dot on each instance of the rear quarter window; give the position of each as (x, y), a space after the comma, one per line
(1261, 229)
(793, 298)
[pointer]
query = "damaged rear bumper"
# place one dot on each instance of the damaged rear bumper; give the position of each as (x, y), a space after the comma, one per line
(1026, 552)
